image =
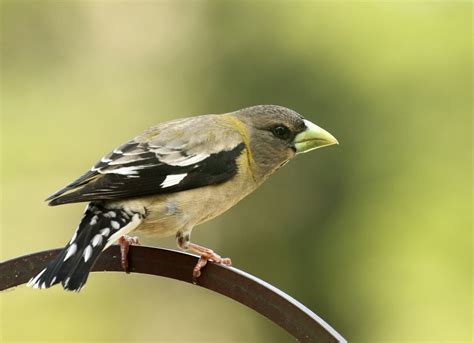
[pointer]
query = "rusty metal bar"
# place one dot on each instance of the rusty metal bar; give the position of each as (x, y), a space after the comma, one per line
(262, 297)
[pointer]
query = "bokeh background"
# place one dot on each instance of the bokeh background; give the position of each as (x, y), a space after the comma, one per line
(373, 235)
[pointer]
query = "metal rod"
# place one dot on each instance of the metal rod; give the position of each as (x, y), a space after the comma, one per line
(260, 296)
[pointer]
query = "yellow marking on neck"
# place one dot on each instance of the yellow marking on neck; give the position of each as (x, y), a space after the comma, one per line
(245, 137)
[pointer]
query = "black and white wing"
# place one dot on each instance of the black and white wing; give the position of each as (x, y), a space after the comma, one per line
(167, 158)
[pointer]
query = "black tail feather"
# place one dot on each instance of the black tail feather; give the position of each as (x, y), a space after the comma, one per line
(73, 264)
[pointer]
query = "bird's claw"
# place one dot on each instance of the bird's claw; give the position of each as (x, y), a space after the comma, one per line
(209, 255)
(125, 242)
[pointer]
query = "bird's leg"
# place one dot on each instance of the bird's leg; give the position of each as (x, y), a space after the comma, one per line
(125, 242)
(205, 254)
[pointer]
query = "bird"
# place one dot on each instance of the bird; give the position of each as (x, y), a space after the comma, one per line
(173, 177)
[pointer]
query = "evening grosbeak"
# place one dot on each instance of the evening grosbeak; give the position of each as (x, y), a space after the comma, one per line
(173, 177)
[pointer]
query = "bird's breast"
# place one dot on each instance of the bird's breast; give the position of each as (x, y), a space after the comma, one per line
(169, 213)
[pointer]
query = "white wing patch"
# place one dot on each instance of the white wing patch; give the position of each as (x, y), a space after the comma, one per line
(125, 159)
(105, 160)
(172, 180)
(188, 160)
(123, 171)
(146, 156)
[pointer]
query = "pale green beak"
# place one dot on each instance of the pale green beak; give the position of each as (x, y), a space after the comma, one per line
(312, 138)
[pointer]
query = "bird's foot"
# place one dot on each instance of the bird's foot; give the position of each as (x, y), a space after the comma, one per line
(125, 242)
(206, 255)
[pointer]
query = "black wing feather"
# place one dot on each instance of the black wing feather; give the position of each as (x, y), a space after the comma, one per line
(93, 185)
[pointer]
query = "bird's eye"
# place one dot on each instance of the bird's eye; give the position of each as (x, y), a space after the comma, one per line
(281, 131)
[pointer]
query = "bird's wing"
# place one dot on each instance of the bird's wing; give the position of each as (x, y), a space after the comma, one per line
(171, 157)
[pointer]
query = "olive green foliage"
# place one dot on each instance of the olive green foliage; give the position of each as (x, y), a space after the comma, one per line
(374, 235)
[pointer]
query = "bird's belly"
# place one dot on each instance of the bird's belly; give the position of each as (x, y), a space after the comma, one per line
(169, 213)
(160, 227)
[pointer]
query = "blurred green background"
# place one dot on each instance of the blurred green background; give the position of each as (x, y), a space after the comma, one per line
(373, 235)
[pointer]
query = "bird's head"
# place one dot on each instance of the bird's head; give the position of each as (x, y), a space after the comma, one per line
(277, 134)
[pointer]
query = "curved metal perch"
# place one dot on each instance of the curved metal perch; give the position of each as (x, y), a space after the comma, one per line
(262, 297)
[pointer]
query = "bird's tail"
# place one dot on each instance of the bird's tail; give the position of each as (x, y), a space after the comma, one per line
(99, 228)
